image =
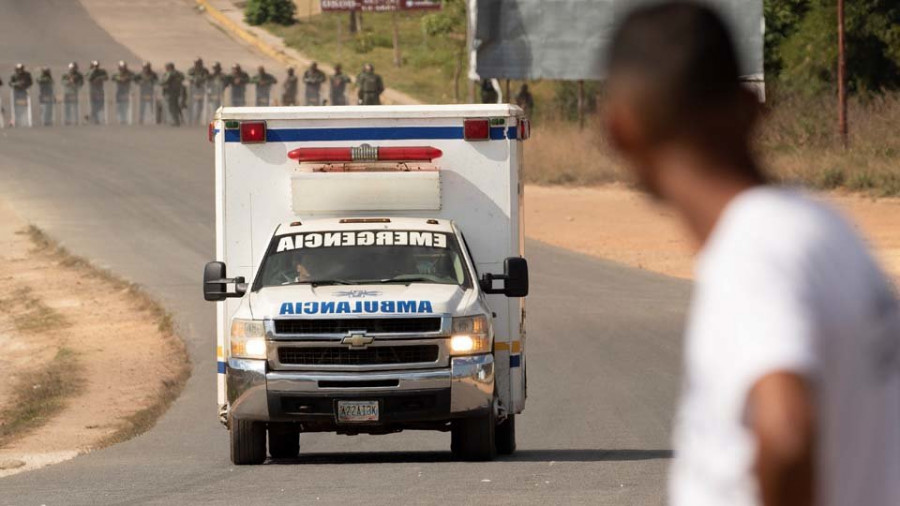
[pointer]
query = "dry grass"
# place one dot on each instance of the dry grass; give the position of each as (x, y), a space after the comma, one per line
(797, 140)
(171, 388)
(40, 394)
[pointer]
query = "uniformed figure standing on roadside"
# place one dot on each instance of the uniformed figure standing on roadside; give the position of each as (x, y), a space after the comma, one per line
(46, 96)
(313, 79)
(291, 85)
(215, 87)
(263, 81)
(174, 92)
(197, 81)
(146, 81)
(72, 82)
(338, 86)
(525, 100)
(238, 82)
(123, 79)
(369, 85)
(489, 94)
(96, 78)
(20, 82)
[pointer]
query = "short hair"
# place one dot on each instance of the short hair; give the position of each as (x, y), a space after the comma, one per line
(682, 54)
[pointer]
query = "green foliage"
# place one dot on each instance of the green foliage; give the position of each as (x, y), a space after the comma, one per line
(257, 12)
(807, 54)
(782, 19)
(451, 20)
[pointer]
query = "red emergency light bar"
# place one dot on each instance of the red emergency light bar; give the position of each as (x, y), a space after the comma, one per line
(366, 153)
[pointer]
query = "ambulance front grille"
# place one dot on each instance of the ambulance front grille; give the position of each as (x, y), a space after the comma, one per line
(376, 355)
(363, 325)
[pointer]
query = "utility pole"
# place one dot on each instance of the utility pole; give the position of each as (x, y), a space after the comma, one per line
(397, 59)
(581, 105)
(842, 77)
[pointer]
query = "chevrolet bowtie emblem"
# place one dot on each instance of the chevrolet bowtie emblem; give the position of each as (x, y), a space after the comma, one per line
(358, 340)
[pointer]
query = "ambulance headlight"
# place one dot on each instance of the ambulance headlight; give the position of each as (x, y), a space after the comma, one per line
(248, 339)
(471, 336)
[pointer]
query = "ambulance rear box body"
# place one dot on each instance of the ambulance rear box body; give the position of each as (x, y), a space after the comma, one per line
(369, 276)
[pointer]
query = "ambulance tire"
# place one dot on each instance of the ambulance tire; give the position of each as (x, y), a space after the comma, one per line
(473, 439)
(284, 443)
(506, 436)
(248, 442)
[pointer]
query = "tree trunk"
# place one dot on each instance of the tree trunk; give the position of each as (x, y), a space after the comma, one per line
(457, 72)
(396, 26)
(352, 21)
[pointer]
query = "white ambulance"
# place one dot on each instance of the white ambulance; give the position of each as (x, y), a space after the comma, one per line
(375, 277)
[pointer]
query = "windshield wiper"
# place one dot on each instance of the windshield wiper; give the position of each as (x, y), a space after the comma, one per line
(322, 282)
(408, 279)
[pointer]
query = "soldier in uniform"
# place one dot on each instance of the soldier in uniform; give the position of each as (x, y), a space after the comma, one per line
(215, 87)
(96, 78)
(313, 79)
(20, 81)
(172, 84)
(263, 82)
(338, 86)
(46, 96)
(489, 94)
(238, 82)
(72, 81)
(146, 82)
(123, 79)
(289, 96)
(197, 79)
(525, 100)
(370, 86)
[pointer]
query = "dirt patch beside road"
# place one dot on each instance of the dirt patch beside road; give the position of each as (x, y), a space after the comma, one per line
(89, 360)
(618, 223)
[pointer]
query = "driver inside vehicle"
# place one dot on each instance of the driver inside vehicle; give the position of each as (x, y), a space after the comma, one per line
(302, 274)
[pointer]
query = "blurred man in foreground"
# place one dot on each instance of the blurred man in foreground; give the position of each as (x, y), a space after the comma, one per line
(313, 79)
(72, 82)
(291, 85)
(123, 78)
(96, 78)
(369, 85)
(217, 82)
(264, 82)
(238, 80)
(174, 92)
(146, 81)
(46, 96)
(338, 86)
(20, 82)
(792, 382)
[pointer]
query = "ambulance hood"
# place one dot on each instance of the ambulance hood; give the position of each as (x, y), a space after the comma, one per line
(337, 301)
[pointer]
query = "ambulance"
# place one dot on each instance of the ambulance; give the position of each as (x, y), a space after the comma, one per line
(369, 274)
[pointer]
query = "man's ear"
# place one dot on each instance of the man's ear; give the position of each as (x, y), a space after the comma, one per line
(623, 128)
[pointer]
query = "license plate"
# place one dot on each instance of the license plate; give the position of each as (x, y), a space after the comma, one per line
(357, 411)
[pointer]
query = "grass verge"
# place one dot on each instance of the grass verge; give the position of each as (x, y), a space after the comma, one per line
(41, 394)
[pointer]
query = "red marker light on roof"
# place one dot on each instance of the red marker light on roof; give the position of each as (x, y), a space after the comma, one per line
(211, 133)
(478, 129)
(253, 131)
(366, 153)
(524, 129)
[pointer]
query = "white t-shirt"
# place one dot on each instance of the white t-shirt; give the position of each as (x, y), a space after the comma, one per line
(785, 284)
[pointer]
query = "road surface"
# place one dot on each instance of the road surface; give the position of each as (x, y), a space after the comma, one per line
(603, 339)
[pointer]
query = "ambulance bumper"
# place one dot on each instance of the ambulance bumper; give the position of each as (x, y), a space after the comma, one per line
(465, 389)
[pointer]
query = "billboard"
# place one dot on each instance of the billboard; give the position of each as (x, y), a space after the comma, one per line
(566, 39)
(379, 5)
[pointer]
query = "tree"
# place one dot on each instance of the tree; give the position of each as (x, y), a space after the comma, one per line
(257, 12)
(782, 19)
(451, 23)
(809, 54)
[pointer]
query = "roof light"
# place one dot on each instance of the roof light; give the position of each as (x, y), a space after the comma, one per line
(366, 153)
(365, 220)
(524, 129)
(477, 129)
(253, 132)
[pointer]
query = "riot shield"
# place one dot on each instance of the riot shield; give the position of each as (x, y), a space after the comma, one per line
(21, 108)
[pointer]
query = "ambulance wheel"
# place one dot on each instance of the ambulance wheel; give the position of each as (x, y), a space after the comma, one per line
(473, 439)
(284, 443)
(506, 436)
(248, 442)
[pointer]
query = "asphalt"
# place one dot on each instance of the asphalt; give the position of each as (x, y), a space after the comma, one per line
(603, 344)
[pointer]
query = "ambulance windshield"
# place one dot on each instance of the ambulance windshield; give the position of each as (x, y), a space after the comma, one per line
(363, 257)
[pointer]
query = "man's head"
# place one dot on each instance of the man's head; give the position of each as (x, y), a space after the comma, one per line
(338, 68)
(123, 65)
(261, 70)
(147, 66)
(236, 67)
(217, 67)
(673, 81)
(198, 63)
(170, 66)
(45, 71)
(95, 64)
(290, 71)
(73, 66)
(314, 66)
(368, 67)
(20, 67)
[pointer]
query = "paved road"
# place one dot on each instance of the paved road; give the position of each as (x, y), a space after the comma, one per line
(603, 349)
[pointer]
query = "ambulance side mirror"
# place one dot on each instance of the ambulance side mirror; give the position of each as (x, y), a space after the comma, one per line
(215, 283)
(514, 277)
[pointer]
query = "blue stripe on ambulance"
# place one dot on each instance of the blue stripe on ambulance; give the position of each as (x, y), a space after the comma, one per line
(221, 367)
(370, 134)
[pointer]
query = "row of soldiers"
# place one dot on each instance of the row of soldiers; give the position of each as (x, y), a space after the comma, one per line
(203, 93)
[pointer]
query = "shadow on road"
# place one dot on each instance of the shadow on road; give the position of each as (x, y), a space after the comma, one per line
(571, 455)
